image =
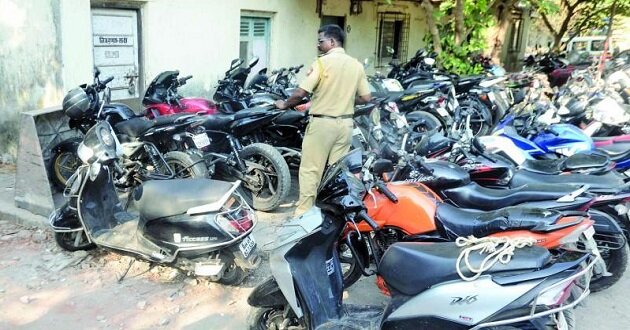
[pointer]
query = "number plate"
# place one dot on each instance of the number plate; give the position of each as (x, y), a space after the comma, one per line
(589, 232)
(442, 111)
(201, 140)
(247, 245)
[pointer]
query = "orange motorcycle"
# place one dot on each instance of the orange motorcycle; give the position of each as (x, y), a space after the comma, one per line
(408, 211)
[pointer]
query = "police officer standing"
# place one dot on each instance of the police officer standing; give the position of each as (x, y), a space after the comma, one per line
(337, 82)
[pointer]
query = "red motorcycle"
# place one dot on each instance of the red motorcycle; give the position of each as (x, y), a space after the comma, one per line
(162, 99)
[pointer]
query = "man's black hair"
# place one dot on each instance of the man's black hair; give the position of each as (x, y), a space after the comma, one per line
(333, 31)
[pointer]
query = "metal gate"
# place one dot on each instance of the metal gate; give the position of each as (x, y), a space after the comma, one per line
(392, 31)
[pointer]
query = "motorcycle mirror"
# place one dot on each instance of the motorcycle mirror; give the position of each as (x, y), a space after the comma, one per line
(97, 72)
(252, 63)
(390, 50)
(235, 63)
(429, 61)
(381, 166)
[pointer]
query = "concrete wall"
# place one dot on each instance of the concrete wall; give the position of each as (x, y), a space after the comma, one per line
(30, 64)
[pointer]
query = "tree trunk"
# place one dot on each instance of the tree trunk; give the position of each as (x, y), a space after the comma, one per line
(433, 29)
(503, 17)
(459, 22)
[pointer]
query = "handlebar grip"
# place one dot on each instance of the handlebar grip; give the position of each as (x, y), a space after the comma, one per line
(364, 216)
(183, 80)
(107, 80)
(385, 191)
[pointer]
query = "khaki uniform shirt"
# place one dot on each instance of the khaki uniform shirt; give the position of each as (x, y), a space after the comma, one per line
(335, 79)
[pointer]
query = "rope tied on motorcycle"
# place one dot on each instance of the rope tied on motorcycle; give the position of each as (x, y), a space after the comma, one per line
(499, 249)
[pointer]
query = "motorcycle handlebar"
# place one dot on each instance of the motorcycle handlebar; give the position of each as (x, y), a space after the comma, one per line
(183, 80)
(380, 186)
(365, 217)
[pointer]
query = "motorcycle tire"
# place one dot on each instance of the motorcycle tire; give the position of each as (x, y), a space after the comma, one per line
(616, 259)
(569, 317)
(186, 165)
(233, 275)
(269, 318)
(422, 121)
(480, 118)
(67, 241)
(279, 187)
(64, 161)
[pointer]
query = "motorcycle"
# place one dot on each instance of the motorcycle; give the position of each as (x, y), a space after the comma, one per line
(204, 228)
(161, 97)
(142, 145)
(305, 290)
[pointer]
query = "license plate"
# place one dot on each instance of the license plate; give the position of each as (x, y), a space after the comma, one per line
(201, 140)
(442, 111)
(589, 232)
(247, 245)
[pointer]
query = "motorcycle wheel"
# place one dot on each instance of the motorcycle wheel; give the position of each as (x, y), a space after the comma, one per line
(422, 121)
(186, 165)
(64, 161)
(350, 269)
(270, 318)
(480, 117)
(233, 275)
(269, 187)
(616, 260)
(70, 242)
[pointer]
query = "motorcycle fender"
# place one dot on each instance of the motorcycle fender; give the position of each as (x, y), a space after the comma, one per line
(267, 295)
(604, 223)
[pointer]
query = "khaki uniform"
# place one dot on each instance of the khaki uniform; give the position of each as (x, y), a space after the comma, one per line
(335, 79)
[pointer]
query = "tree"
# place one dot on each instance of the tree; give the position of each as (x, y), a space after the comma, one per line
(574, 17)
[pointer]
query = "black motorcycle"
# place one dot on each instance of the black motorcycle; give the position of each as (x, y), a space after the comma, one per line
(200, 226)
(143, 146)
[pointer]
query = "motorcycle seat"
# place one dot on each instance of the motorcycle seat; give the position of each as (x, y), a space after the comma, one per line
(164, 198)
(411, 268)
(575, 162)
(455, 222)
(607, 182)
(134, 127)
(475, 196)
(218, 121)
(616, 151)
(289, 117)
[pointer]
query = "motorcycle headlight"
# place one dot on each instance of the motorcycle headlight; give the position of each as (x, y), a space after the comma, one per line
(84, 153)
(99, 144)
(106, 136)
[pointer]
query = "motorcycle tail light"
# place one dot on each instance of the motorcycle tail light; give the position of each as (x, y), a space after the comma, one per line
(237, 217)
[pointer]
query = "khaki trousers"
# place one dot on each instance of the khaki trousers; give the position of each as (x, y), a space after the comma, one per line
(326, 141)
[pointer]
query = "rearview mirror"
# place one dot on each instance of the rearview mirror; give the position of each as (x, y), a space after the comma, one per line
(252, 63)
(381, 166)
(235, 63)
(390, 50)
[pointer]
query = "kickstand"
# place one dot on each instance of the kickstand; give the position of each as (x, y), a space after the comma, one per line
(122, 277)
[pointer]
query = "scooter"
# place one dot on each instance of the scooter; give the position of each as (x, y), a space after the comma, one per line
(200, 226)
(306, 289)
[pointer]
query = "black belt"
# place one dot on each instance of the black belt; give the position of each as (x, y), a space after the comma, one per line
(333, 117)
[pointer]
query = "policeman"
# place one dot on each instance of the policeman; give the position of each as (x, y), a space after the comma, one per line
(337, 82)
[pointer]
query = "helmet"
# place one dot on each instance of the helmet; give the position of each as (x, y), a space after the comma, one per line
(76, 103)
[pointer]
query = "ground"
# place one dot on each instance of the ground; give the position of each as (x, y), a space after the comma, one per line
(43, 287)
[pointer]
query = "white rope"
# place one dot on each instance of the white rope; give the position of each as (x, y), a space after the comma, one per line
(499, 249)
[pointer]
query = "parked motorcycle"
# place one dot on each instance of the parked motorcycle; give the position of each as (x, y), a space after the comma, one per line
(162, 98)
(144, 141)
(305, 290)
(200, 226)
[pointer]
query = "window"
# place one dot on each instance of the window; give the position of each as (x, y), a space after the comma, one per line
(580, 46)
(254, 40)
(393, 32)
(597, 45)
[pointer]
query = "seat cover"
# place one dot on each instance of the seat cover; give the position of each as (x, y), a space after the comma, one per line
(575, 162)
(475, 196)
(134, 127)
(218, 121)
(164, 198)
(609, 181)
(414, 267)
(464, 222)
(616, 151)
(289, 117)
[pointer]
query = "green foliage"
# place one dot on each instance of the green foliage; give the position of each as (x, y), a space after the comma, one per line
(477, 18)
